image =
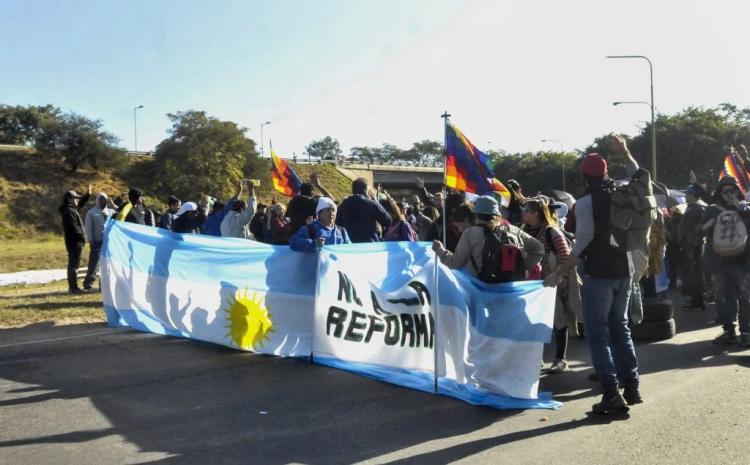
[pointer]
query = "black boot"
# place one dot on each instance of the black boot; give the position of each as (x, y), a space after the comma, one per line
(632, 394)
(612, 402)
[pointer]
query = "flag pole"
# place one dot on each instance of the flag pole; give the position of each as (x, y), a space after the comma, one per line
(436, 296)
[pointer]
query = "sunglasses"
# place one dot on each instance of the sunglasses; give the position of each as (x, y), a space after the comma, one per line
(728, 191)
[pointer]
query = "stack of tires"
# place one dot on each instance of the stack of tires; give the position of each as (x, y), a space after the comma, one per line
(658, 322)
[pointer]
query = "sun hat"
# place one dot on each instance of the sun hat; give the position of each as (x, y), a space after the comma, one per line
(486, 205)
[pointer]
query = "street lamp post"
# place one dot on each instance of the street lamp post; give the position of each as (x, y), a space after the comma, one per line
(562, 153)
(261, 138)
(653, 119)
(135, 128)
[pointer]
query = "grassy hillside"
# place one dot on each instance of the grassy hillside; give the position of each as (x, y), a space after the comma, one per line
(31, 189)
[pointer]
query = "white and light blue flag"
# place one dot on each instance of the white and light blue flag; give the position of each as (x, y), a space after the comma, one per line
(380, 309)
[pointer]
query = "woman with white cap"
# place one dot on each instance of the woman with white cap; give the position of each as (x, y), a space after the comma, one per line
(322, 231)
(190, 216)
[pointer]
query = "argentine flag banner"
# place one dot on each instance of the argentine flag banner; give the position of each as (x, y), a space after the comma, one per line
(234, 292)
(381, 310)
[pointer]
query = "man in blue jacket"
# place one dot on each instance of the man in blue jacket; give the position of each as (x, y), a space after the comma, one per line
(359, 214)
(322, 231)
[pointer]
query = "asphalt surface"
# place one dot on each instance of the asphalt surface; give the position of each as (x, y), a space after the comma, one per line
(88, 394)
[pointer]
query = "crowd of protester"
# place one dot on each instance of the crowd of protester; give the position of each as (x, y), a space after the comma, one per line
(600, 268)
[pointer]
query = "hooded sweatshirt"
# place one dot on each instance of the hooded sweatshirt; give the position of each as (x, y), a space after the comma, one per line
(71, 219)
(235, 224)
(95, 219)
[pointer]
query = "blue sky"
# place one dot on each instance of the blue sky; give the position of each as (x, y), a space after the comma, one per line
(367, 72)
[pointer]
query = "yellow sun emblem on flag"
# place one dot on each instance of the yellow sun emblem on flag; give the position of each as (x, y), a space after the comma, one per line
(249, 320)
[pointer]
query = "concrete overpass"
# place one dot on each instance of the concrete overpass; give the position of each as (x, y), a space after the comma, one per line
(394, 177)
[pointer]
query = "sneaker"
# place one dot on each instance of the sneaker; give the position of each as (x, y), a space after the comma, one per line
(558, 366)
(75, 291)
(612, 402)
(725, 338)
(744, 340)
(632, 394)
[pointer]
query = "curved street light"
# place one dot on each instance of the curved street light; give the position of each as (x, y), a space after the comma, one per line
(653, 120)
(261, 137)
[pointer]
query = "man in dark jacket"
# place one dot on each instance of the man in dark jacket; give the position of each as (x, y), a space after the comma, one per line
(173, 206)
(690, 243)
(302, 207)
(358, 214)
(73, 230)
(134, 210)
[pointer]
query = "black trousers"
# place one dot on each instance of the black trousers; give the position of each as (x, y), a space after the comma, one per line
(74, 261)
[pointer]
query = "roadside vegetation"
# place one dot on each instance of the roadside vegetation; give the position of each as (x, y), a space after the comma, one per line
(24, 305)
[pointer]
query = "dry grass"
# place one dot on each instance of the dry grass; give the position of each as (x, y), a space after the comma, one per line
(24, 305)
(43, 253)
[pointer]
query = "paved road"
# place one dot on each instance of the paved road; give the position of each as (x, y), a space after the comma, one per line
(87, 394)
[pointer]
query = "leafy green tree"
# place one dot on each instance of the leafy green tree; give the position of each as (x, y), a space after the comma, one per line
(366, 154)
(22, 125)
(324, 149)
(427, 152)
(77, 140)
(204, 155)
(694, 139)
(540, 171)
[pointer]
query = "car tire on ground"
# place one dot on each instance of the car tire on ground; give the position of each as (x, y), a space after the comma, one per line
(653, 331)
(657, 310)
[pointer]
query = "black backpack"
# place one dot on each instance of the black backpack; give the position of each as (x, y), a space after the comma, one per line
(502, 256)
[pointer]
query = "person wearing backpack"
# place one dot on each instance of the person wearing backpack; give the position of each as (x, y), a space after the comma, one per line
(540, 223)
(492, 249)
(606, 290)
(725, 224)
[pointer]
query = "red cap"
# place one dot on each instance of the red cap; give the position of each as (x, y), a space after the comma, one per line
(594, 165)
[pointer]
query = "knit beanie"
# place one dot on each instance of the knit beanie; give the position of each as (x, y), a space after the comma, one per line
(594, 165)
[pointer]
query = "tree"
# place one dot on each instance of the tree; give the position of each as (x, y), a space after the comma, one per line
(695, 139)
(203, 155)
(22, 125)
(324, 149)
(541, 171)
(427, 152)
(76, 140)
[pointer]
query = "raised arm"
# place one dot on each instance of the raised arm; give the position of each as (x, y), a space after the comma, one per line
(316, 183)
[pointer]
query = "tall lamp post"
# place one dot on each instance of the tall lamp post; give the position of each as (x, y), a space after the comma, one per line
(261, 138)
(135, 128)
(653, 120)
(562, 152)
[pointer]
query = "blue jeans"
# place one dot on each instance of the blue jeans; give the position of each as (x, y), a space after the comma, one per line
(605, 320)
(732, 284)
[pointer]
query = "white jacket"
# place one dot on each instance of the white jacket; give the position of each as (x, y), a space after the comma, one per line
(235, 224)
(95, 219)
